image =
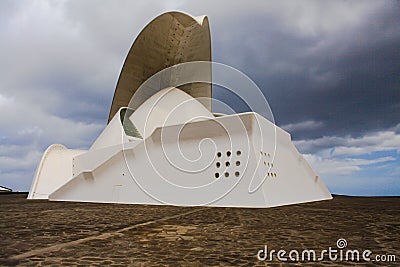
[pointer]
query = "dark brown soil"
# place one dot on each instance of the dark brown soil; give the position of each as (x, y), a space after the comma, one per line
(43, 233)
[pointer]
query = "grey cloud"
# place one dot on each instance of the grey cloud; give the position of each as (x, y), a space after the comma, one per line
(385, 140)
(28, 124)
(303, 125)
(326, 166)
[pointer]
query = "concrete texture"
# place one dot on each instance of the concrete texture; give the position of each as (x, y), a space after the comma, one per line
(42, 233)
(169, 39)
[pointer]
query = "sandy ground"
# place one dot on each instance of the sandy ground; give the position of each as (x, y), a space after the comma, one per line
(42, 233)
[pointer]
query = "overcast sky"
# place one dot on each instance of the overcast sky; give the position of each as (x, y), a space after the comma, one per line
(329, 69)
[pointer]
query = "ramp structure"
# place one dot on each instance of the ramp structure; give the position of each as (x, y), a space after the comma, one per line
(164, 145)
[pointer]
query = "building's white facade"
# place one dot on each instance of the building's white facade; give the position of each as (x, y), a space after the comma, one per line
(4, 189)
(171, 148)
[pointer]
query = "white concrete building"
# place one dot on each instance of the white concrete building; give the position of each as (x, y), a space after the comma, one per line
(164, 145)
(4, 189)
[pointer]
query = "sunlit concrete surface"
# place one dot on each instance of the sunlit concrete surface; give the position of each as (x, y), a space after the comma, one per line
(42, 233)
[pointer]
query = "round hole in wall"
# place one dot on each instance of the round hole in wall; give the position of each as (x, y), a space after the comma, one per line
(219, 154)
(265, 163)
(227, 174)
(227, 164)
(237, 174)
(218, 164)
(216, 175)
(228, 153)
(238, 152)
(237, 163)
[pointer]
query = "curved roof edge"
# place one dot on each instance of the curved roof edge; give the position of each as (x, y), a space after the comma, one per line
(169, 39)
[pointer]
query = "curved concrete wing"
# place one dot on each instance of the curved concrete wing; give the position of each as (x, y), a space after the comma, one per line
(169, 39)
(169, 106)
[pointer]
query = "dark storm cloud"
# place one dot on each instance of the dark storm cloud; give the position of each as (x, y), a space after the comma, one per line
(77, 99)
(347, 81)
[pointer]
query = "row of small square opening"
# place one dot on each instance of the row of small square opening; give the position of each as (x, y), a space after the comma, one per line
(265, 154)
(227, 163)
(229, 153)
(268, 164)
(226, 174)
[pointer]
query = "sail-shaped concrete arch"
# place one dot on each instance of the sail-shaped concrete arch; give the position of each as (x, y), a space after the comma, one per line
(169, 39)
